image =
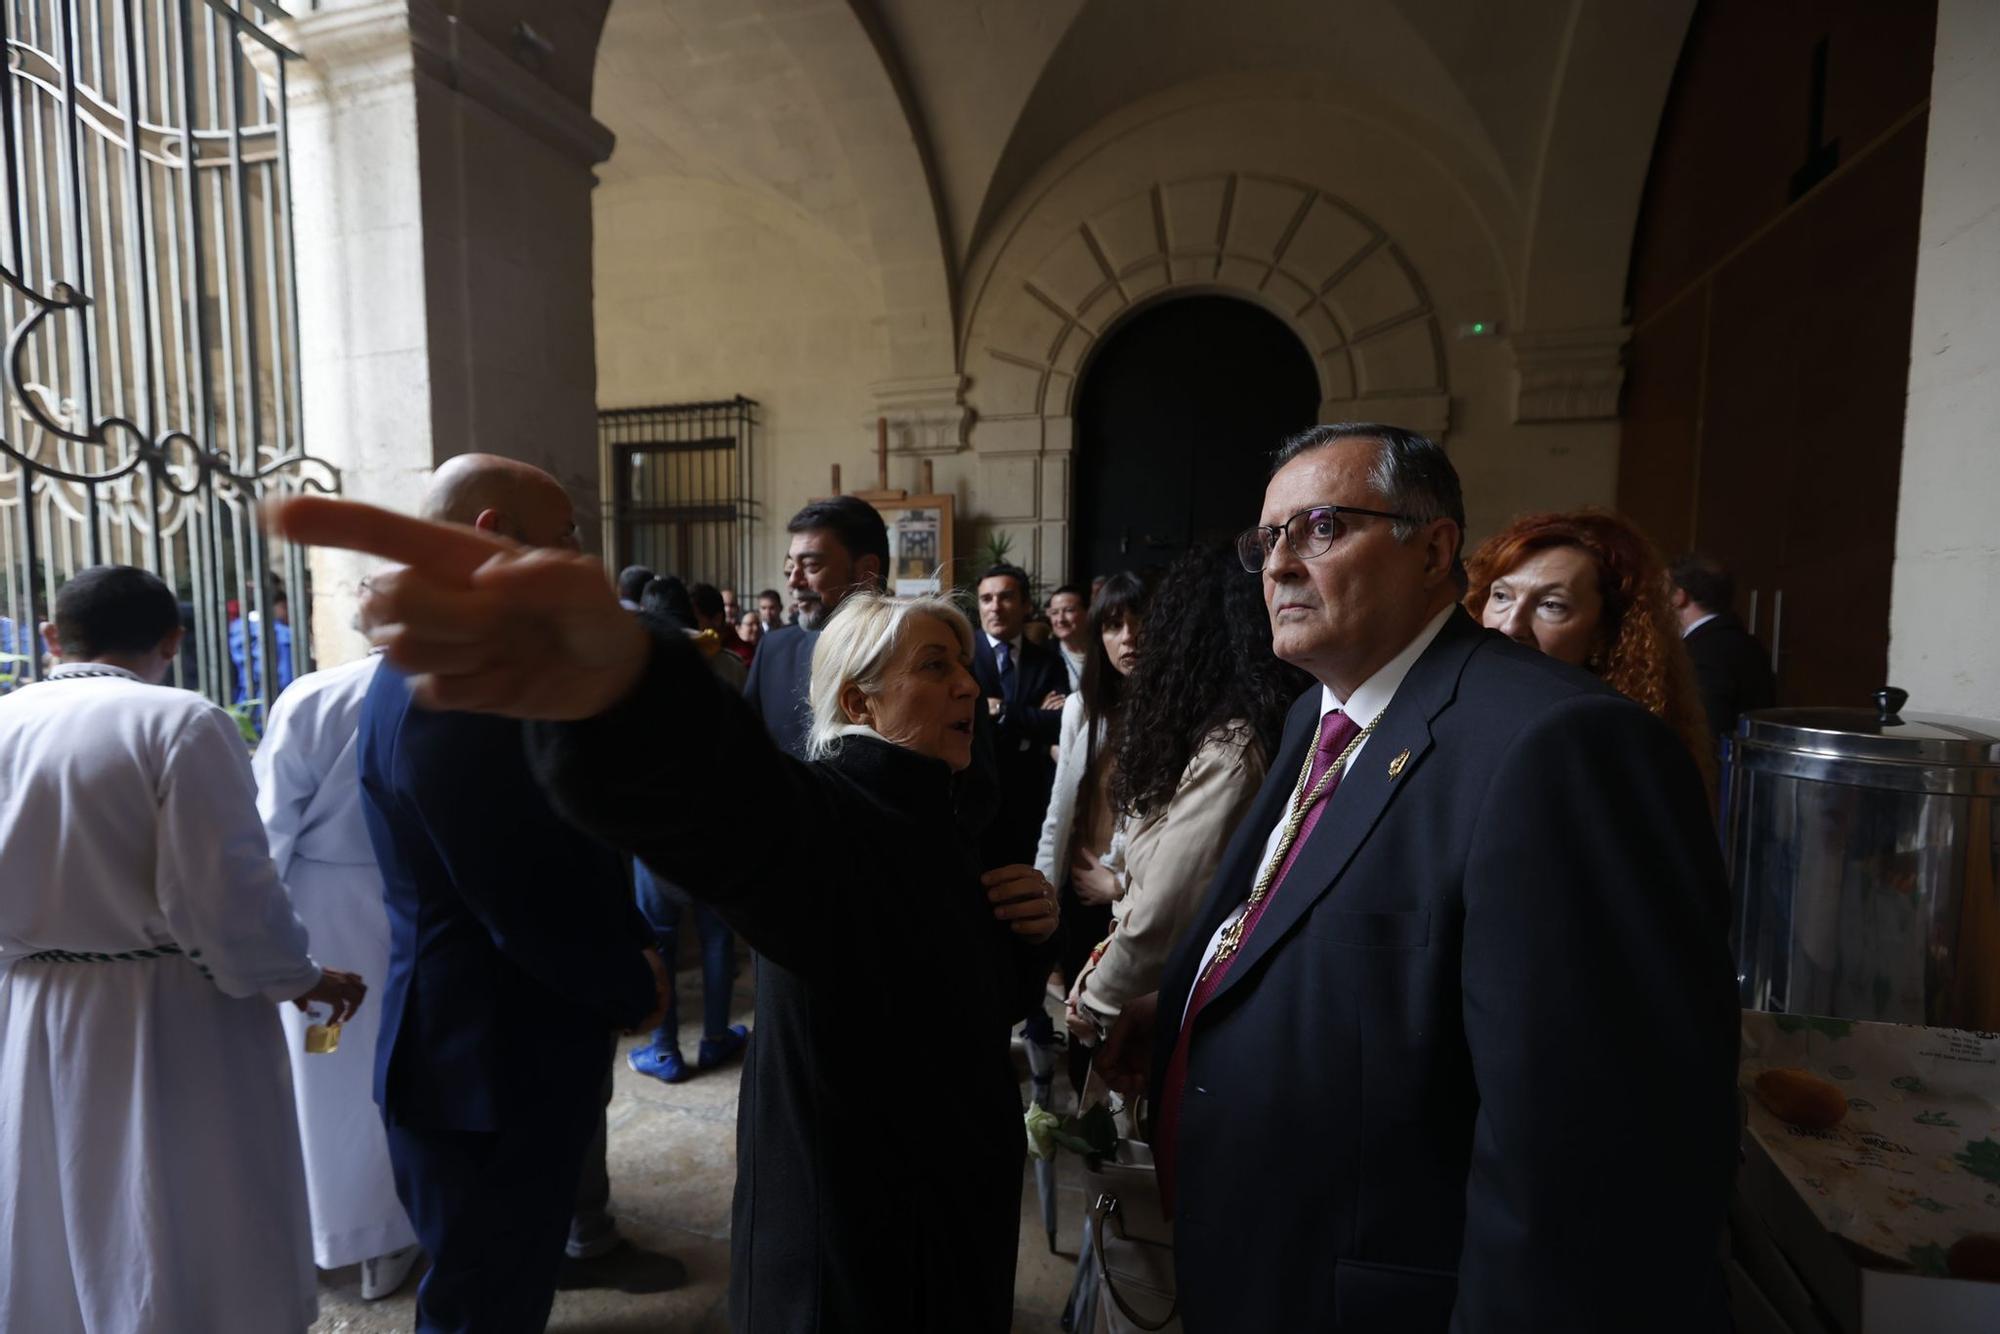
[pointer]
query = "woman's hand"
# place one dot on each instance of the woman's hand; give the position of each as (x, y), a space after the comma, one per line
(1127, 1054)
(1094, 882)
(1024, 900)
(1081, 1026)
(341, 991)
(481, 623)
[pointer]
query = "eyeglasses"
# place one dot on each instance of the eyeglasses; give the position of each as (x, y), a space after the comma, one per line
(1311, 532)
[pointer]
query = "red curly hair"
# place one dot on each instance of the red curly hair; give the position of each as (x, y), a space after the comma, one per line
(1639, 654)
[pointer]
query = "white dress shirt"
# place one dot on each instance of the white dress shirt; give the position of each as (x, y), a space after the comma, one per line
(1368, 701)
(1698, 624)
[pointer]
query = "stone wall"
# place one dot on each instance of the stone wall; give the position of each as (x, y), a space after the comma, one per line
(706, 291)
(1944, 639)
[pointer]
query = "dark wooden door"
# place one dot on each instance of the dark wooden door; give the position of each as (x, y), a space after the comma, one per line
(1176, 419)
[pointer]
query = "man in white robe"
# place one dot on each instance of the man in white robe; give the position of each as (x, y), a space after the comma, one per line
(309, 793)
(149, 1154)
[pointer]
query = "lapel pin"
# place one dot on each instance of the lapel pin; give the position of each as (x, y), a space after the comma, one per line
(1396, 765)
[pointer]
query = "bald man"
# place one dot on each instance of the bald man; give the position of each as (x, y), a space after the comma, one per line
(515, 956)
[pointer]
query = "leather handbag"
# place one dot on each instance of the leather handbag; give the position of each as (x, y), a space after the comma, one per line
(1128, 1248)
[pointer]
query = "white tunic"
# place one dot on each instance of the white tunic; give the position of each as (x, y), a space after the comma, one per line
(150, 1176)
(309, 793)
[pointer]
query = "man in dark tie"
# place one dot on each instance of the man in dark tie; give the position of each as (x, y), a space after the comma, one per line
(1451, 1044)
(1024, 684)
(1731, 669)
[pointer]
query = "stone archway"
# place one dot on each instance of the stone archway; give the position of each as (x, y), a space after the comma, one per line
(1177, 411)
(1303, 253)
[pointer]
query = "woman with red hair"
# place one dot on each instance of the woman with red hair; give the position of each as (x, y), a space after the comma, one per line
(1587, 588)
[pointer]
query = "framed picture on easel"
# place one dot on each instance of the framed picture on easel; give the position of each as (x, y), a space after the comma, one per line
(919, 543)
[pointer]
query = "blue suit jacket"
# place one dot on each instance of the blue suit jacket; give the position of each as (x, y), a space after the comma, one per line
(776, 688)
(514, 945)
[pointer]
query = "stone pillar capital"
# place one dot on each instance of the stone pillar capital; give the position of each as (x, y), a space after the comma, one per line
(927, 415)
(1568, 374)
(355, 48)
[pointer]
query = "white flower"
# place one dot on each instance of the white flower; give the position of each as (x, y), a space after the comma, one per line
(1041, 1125)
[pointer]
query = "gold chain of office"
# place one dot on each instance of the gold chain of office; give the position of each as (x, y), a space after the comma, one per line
(1232, 934)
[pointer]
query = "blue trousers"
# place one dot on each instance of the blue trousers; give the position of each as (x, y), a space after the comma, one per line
(664, 907)
(492, 1209)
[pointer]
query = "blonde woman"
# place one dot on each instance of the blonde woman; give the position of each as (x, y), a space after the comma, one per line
(840, 1221)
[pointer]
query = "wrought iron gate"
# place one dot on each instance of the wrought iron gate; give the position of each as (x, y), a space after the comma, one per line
(679, 478)
(151, 381)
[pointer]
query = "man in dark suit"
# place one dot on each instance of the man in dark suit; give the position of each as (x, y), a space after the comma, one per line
(1024, 684)
(516, 952)
(838, 546)
(1731, 669)
(1463, 1057)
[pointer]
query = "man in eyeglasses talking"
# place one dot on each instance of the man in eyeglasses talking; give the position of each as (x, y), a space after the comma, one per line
(1464, 964)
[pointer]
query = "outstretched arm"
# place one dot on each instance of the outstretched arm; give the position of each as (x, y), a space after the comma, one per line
(661, 751)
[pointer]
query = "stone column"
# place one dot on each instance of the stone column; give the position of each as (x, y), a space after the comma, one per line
(1944, 635)
(442, 208)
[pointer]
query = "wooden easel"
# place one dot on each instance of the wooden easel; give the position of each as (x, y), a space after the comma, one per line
(883, 494)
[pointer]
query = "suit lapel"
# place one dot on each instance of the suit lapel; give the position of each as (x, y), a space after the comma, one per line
(984, 669)
(1231, 884)
(1357, 805)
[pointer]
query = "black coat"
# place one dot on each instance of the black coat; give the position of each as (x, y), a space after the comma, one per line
(873, 1192)
(1475, 1067)
(1022, 737)
(1731, 670)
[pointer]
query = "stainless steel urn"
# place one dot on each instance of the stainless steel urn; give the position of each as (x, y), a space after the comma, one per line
(1864, 854)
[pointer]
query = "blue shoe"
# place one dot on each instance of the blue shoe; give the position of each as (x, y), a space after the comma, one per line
(718, 1051)
(662, 1063)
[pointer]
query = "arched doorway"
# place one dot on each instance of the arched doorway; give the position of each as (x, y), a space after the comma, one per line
(1176, 418)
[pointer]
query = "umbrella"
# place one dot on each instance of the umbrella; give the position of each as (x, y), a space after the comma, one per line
(1041, 1079)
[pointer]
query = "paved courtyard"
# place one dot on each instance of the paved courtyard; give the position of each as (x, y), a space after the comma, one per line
(673, 1165)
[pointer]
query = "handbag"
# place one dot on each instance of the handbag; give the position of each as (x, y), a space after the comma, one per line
(1128, 1247)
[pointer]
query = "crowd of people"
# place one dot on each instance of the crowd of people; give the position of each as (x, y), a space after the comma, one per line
(1379, 883)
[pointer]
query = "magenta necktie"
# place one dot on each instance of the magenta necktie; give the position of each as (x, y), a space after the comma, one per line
(1336, 729)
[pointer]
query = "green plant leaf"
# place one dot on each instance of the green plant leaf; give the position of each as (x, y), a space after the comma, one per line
(1092, 1133)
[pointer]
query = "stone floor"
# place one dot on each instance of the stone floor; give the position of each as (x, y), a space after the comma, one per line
(673, 1165)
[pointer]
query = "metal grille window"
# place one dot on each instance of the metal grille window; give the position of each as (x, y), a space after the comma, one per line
(151, 388)
(679, 478)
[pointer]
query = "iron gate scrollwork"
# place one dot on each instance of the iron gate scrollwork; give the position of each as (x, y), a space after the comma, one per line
(151, 377)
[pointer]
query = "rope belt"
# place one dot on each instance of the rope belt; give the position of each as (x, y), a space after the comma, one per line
(166, 951)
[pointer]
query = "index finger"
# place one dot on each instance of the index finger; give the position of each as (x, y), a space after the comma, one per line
(445, 552)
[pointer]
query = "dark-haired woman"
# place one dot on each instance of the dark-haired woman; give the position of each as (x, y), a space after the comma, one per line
(1201, 716)
(1077, 830)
